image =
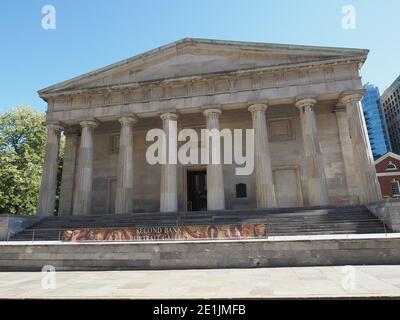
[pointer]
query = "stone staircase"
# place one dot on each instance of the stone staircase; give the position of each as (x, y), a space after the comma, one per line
(280, 221)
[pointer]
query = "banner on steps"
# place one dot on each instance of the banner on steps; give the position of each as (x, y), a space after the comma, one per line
(216, 232)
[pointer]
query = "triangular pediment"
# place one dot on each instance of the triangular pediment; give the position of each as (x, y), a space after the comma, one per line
(197, 57)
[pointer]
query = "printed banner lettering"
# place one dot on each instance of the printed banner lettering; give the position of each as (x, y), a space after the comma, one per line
(222, 232)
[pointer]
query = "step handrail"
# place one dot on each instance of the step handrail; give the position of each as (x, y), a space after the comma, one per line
(299, 226)
(307, 223)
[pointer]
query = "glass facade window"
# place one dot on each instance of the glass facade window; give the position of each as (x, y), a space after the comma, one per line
(391, 104)
(375, 121)
(391, 166)
(395, 187)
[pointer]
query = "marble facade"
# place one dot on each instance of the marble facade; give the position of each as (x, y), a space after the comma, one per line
(311, 146)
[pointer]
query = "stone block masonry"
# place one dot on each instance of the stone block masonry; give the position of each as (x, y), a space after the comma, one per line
(197, 255)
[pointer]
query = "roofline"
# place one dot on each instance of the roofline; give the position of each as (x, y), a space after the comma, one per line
(247, 45)
(273, 45)
(390, 89)
(387, 155)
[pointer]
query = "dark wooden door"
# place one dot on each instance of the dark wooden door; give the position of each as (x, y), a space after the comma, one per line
(197, 190)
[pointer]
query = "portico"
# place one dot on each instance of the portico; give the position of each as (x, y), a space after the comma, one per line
(302, 102)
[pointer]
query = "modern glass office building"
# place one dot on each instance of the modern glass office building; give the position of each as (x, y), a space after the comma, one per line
(376, 122)
(391, 106)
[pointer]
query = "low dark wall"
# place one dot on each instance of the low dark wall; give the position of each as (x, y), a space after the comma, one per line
(11, 224)
(240, 254)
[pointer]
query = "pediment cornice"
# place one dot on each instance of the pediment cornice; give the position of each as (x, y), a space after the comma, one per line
(254, 73)
(196, 51)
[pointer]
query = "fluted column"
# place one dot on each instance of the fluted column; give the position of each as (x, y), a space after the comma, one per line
(124, 192)
(215, 179)
(83, 189)
(315, 170)
(169, 186)
(369, 189)
(48, 185)
(347, 154)
(265, 190)
(68, 172)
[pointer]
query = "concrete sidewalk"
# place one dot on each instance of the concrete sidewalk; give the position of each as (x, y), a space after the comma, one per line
(307, 282)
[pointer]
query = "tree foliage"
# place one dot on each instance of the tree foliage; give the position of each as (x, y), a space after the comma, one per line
(22, 148)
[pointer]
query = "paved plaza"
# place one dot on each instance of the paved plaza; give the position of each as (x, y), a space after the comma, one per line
(309, 282)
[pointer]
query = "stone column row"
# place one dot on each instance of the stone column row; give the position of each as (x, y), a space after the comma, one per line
(83, 187)
(265, 191)
(84, 169)
(315, 170)
(352, 134)
(168, 192)
(124, 190)
(215, 182)
(316, 185)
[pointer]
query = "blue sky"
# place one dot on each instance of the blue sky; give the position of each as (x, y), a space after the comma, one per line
(93, 33)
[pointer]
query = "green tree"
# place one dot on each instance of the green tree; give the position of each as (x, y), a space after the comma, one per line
(22, 148)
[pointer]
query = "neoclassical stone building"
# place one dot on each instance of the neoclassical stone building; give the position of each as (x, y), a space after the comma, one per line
(311, 146)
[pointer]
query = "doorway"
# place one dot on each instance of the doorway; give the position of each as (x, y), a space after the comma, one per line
(196, 190)
(287, 187)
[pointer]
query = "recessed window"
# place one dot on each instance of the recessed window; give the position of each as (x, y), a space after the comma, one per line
(241, 191)
(391, 166)
(280, 129)
(114, 143)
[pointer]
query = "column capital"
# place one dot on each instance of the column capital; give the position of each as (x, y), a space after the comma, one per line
(88, 123)
(212, 112)
(71, 132)
(131, 119)
(306, 102)
(340, 107)
(56, 126)
(169, 116)
(258, 107)
(351, 96)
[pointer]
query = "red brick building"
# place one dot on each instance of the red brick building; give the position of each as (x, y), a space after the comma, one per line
(388, 172)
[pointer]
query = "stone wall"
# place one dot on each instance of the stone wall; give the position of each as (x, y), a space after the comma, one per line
(388, 211)
(184, 255)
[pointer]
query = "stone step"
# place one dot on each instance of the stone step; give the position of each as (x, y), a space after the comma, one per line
(286, 221)
(206, 219)
(214, 213)
(281, 217)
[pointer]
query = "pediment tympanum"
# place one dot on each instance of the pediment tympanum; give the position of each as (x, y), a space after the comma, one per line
(196, 57)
